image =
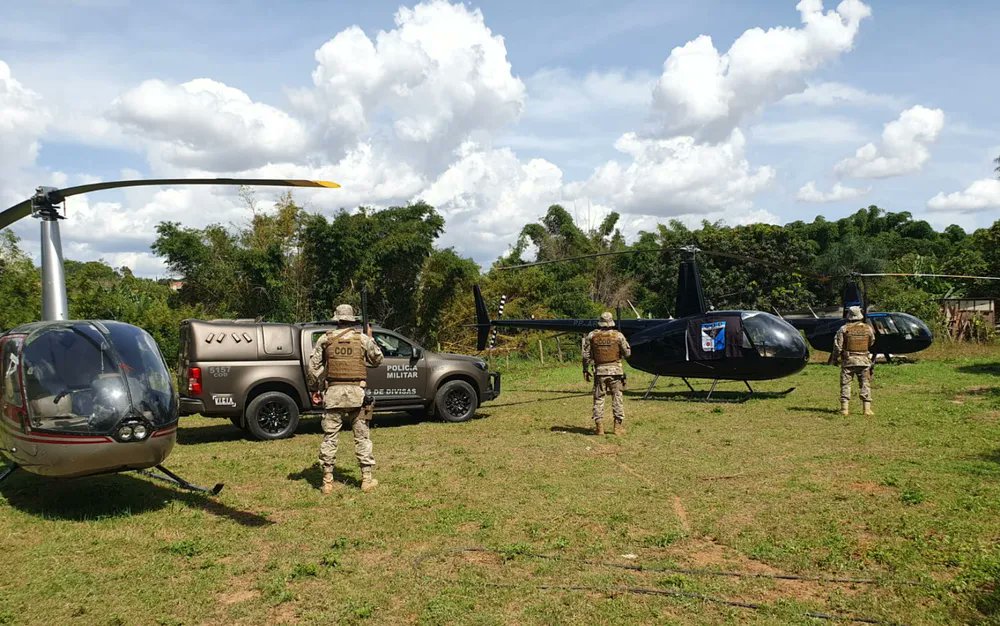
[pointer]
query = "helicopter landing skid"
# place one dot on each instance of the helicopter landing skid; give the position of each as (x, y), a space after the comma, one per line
(7, 472)
(174, 479)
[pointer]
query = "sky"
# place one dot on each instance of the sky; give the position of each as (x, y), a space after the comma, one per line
(491, 111)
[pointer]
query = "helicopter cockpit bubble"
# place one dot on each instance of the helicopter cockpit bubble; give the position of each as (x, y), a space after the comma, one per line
(772, 336)
(86, 377)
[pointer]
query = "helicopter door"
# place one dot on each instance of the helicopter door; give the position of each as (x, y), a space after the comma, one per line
(12, 408)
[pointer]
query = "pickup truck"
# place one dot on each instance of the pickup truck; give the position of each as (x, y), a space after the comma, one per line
(254, 373)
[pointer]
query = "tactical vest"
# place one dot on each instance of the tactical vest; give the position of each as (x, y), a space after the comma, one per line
(856, 338)
(605, 347)
(344, 355)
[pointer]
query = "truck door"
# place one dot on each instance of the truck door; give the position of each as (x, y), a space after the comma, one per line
(402, 378)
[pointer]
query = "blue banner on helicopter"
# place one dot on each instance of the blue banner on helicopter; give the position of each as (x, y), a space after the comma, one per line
(713, 337)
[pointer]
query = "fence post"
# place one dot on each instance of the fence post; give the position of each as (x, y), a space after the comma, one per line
(541, 353)
(559, 349)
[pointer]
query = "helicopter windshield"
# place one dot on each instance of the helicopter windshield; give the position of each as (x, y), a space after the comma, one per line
(84, 377)
(771, 336)
(911, 326)
(148, 378)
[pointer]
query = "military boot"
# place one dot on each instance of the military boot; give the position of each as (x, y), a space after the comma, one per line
(868, 408)
(618, 428)
(367, 482)
(598, 427)
(843, 407)
(327, 482)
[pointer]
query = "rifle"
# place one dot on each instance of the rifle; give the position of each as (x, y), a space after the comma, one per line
(365, 327)
(368, 406)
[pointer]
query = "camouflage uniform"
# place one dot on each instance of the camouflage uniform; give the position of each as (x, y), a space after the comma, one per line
(854, 362)
(609, 378)
(344, 403)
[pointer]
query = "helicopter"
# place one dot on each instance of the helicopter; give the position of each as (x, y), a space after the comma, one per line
(699, 343)
(86, 397)
(895, 332)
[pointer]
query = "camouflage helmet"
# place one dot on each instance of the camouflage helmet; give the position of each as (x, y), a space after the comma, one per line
(854, 314)
(606, 321)
(344, 313)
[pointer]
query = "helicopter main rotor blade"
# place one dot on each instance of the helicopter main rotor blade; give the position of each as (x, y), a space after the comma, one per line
(921, 275)
(584, 256)
(23, 209)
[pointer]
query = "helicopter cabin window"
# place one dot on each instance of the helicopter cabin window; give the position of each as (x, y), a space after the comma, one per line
(883, 324)
(85, 377)
(771, 336)
(65, 370)
(393, 346)
(9, 362)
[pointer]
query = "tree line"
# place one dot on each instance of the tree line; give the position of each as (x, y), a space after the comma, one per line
(293, 265)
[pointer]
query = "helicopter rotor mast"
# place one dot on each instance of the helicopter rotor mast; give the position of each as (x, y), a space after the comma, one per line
(55, 305)
(44, 205)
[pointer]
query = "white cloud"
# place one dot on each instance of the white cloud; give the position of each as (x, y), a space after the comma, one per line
(809, 193)
(486, 197)
(979, 196)
(904, 146)
(204, 124)
(827, 130)
(440, 77)
(707, 93)
(23, 119)
(668, 177)
(832, 94)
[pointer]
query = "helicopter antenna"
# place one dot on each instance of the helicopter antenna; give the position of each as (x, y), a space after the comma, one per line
(43, 205)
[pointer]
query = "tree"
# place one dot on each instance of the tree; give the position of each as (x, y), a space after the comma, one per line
(20, 284)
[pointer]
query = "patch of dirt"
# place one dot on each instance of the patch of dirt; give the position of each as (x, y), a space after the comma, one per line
(681, 514)
(468, 527)
(707, 553)
(870, 488)
(482, 558)
(988, 417)
(284, 614)
(241, 595)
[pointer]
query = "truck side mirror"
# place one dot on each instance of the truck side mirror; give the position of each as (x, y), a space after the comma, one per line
(417, 353)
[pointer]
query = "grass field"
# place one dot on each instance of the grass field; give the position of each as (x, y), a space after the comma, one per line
(522, 516)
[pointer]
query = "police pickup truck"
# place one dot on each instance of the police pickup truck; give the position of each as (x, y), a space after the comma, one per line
(254, 373)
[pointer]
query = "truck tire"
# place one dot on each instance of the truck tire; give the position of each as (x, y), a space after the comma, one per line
(272, 415)
(456, 401)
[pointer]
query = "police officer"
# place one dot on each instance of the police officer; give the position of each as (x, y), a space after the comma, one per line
(604, 348)
(852, 347)
(338, 366)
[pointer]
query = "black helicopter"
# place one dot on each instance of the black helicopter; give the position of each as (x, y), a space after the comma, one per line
(79, 398)
(714, 345)
(895, 332)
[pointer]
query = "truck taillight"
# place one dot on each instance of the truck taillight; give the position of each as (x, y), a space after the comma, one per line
(194, 381)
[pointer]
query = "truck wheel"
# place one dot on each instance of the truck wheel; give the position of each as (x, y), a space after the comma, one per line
(456, 401)
(272, 415)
